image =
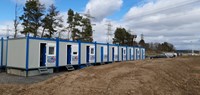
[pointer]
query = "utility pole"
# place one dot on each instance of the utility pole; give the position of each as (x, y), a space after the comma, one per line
(16, 22)
(109, 31)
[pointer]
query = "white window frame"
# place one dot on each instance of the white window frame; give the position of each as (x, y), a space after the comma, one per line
(91, 51)
(51, 45)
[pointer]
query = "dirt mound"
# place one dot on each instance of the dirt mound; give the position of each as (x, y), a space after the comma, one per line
(180, 76)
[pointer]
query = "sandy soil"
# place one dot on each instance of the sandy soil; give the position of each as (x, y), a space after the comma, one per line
(179, 76)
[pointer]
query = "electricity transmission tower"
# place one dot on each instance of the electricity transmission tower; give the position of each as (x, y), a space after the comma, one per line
(109, 31)
(16, 21)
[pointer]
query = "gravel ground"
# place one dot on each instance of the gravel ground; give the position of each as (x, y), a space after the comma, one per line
(12, 79)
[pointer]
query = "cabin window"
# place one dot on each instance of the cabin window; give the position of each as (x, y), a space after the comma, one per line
(75, 53)
(51, 50)
(92, 50)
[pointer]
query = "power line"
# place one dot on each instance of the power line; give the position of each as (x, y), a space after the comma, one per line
(166, 8)
(148, 22)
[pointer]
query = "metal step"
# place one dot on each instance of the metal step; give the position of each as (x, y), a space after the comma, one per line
(88, 64)
(43, 70)
(70, 67)
(103, 63)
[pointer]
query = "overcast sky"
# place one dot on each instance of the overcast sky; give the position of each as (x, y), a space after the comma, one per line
(174, 21)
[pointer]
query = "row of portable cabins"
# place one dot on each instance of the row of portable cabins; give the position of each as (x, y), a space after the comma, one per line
(25, 55)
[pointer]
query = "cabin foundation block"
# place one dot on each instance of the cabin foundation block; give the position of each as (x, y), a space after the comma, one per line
(21, 72)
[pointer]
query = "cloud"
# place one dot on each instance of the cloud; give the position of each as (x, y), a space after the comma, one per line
(174, 21)
(103, 8)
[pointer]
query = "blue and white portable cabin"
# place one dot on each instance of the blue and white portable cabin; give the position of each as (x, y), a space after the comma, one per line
(26, 55)
(122, 53)
(88, 51)
(3, 45)
(68, 53)
(101, 53)
(113, 53)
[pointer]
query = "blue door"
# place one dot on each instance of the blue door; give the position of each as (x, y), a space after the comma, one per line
(141, 54)
(102, 54)
(87, 54)
(137, 54)
(42, 54)
(130, 54)
(133, 54)
(113, 54)
(122, 50)
(69, 52)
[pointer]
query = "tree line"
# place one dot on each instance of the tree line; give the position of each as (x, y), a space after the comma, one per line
(46, 23)
(124, 37)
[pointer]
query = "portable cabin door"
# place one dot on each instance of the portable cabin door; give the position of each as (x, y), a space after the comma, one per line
(69, 54)
(113, 54)
(130, 54)
(135, 54)
(122, 50)
(102, 54)
(42, 54)
(105, 54)
(87, 54)
(138, 53)
(141, 53)
(124, 54)
(92, 54)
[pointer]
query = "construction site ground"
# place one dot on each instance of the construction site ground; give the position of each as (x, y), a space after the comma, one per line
(170, 76)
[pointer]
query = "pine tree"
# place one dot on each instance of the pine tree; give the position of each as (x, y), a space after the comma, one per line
(142, 43)
(31, 19)
(87, 30)
(122, 37)
(75, 23)
(51, 22)
(72, 23)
